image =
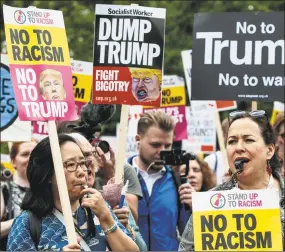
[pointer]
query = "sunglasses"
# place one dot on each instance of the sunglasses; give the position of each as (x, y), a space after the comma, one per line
(255, 114)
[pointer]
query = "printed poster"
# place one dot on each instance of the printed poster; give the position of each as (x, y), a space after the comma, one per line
(237, 220)
(39, 63)
(201, 127)
(187, 65)
(128, 55)
(173, 91)
(82, 73)
(12, 130)
(238, 56)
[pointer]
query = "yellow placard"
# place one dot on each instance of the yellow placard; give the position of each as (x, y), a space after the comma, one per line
(33, 45)
(242, 230)
(82, 85)
(173, 96)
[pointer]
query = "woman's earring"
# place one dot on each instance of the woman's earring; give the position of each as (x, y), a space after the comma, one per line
(268, 167)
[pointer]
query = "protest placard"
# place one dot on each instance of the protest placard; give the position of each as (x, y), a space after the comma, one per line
(277, 108)
(226, 105)
(39, 63)
(187, 65)
(238, 56)
(11, 128)
(128, 55)
(173, 91)
(201, 127)
(40, 69)
(243, 220)
(82, 73)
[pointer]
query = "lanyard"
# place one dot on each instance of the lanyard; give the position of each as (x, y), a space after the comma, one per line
(83, 243)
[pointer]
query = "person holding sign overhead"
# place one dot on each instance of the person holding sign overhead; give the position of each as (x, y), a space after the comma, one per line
(51, 85)
(253, 162)
(96, 225)
(146, 84)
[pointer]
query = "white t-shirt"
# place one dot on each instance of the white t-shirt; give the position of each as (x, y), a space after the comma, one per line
(149, 178)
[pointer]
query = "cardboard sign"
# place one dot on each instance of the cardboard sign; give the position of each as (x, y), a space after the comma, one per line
(11, 128)
(243, 220)
(82, 72)
(39, 63)
(226, 105)
(187, 65)
(238, 56)
(135, 113)
(173, 91)
(128, 55)
(277, 107)
(201, 127)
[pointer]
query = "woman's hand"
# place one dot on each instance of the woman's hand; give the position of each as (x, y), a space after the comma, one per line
(72, 246)
(122, 214)
(94, 200)
(185, 192)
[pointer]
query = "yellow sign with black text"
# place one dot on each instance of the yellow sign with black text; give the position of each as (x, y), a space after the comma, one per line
(237, 220)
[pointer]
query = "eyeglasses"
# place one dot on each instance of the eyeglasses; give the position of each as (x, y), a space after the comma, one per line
(255, 114)
(72, 166)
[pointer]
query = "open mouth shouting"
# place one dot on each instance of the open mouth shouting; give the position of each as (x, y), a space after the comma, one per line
(141, 93)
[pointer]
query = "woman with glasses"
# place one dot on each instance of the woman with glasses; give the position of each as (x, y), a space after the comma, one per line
(250, 140)
(96, 226)
(123, 214)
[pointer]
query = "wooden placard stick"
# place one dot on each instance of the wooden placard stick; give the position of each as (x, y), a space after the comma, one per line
(61, 183)
(221, 139)
(253, 105)
(123, 129)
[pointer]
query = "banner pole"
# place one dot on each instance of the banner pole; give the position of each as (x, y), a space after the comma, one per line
(123, 129)
(61, 183)
(253, 105)
(221, 139)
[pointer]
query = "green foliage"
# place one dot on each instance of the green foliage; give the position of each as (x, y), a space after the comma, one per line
(79, 23)
(4, 148)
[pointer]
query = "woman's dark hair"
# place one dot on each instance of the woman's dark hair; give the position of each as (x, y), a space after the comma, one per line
(39, 199)
(209, 178)
(268, 136)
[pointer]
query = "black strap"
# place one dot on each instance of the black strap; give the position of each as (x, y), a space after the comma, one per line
(35, 228)
(177, 181)
(7, 195)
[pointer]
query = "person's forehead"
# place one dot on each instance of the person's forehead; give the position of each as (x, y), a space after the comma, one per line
(86, 147)
(155, 132)
(27, 146)
(70, 150)
(54, 76)
(244, 126)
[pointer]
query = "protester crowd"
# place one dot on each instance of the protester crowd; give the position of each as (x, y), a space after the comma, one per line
(156, 215)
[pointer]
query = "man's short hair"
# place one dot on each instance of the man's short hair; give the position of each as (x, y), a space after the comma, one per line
(155, 118)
